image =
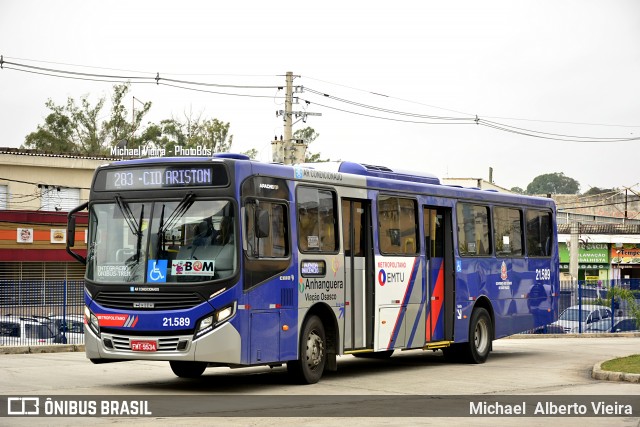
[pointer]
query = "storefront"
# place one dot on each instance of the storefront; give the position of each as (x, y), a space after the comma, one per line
(625, 261)
(593, 262)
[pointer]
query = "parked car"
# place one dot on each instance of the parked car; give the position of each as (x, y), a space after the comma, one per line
(620, 324)
(15, 330)
(576, 318)
(68, 329)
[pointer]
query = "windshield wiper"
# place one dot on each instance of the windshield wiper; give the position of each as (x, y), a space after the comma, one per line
(128, 216)
(177, 213)
(134, 226)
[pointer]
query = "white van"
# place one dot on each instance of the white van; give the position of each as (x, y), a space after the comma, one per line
(16, 330)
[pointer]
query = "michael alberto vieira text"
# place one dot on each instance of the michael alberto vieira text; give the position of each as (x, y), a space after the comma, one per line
(550, 408)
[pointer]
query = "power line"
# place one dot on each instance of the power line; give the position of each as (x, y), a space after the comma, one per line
(428, 119)
(470, 114)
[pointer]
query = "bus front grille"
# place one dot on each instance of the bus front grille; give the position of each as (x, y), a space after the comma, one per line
(146, 301)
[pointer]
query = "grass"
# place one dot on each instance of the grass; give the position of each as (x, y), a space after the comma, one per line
(630, 364)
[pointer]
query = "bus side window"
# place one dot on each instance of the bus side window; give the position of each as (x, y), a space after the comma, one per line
(538, 232)
(397, 225)
(266, 226)
(473, 230)
(317, 220)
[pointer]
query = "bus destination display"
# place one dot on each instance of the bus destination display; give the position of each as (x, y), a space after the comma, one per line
(163, 177)
(313, 268)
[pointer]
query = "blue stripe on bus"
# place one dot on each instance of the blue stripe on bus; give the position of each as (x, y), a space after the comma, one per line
(423, 300)
(407, 294)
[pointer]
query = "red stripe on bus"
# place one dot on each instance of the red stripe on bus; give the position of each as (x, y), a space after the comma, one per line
(436, 304)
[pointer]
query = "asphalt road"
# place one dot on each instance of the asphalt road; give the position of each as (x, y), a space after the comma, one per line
(544, 367)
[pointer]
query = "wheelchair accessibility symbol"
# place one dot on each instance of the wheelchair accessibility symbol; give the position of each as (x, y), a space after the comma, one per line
(157, 270)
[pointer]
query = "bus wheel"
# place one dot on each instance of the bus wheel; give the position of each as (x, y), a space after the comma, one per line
(188, 369)
(313, 353)
(480, 336)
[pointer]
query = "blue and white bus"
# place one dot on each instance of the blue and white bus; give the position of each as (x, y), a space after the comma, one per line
(224, 261)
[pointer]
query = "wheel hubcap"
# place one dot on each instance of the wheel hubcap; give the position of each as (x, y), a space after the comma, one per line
(481, 337)
(315, 350)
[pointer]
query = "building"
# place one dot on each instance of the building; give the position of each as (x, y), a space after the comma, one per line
(36, 192)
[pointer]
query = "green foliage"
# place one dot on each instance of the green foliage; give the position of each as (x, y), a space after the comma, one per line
(594, 191)
(553, 183)
(517, 190)
(252, 153)
(77, 129)
(69, 129)
(308, 135)
(629, 364)
(192, 132)
(630, 297)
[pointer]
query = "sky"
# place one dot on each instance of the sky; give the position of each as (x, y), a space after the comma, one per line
(545, 67)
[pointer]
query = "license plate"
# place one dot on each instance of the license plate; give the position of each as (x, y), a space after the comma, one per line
(144, 345)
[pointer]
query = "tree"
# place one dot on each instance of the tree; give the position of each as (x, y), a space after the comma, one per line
(191, 132)
(76, 129)
(517, 190)
(308, 135)
(252, 153)
(69, 129)
(553, 183)
(594, 191)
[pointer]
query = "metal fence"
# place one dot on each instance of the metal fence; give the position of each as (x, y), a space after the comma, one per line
(27, 305)
(37, 312)
(601, 307)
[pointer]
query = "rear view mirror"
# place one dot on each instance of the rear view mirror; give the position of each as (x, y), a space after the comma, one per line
(71, 232)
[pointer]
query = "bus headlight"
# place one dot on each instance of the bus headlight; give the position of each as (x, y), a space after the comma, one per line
(225, 313)
(91, 320)
(207, 324)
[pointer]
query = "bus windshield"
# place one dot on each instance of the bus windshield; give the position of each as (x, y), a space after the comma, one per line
(161, 242)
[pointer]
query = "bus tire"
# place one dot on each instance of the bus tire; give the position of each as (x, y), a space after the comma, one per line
(187, 369)
(312, 360)
(480, 337)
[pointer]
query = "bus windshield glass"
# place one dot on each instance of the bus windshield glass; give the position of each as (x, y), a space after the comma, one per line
(162, 242)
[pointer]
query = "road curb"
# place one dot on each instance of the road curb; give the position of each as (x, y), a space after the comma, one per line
(599, 374)
(58, 348)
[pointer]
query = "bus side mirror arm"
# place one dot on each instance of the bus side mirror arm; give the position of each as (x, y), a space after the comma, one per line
(71, 232)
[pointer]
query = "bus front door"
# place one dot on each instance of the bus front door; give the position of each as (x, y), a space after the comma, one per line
(358, 264)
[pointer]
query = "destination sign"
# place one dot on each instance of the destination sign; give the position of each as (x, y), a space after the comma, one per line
(148, 178)
(313, 268)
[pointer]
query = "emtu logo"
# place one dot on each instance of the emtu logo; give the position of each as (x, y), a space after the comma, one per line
(382, 277)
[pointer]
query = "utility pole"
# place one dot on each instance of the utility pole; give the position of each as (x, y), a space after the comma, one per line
(288, 108)
(286, 150)
(574, 249)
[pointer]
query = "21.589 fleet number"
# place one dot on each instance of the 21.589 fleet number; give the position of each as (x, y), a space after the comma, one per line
(543, 274)
(175, 321)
